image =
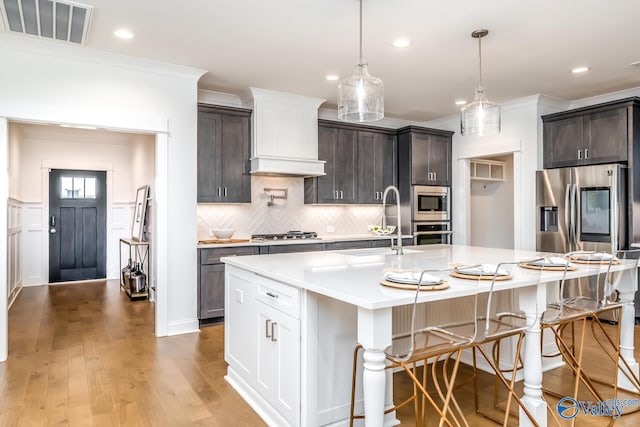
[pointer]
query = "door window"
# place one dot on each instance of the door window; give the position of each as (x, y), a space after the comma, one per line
(73, 187)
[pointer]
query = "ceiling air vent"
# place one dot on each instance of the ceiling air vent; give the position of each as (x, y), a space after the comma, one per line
(57, 20)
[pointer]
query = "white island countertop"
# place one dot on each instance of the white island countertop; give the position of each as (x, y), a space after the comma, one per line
(353, 276)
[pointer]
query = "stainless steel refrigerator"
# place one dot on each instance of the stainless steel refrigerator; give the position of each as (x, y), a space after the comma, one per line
(582, 208)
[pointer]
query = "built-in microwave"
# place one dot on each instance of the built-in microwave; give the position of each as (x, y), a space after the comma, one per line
(431, 203)
(431, 233)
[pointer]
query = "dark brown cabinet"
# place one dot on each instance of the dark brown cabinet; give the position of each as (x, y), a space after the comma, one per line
(361, 161)
(337, 146)
(425, 154)
(588, 136)
(224, 140)
(376, 166)
(211, 280)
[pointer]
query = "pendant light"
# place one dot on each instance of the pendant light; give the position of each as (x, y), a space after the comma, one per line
(360, 96)
(480, 117)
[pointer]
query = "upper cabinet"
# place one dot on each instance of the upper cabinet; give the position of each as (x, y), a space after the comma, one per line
(592, 135)
(360, 164)
(224, 140)
(377, 165)
(425, 154)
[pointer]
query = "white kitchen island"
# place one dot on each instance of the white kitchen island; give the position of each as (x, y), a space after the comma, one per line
(291, 321)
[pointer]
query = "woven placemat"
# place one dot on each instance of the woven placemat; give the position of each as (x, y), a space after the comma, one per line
(547, 268)
(409, 287)
(478, 276)
(574, 258)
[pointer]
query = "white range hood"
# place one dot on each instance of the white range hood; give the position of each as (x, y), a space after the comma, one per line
(284, 134)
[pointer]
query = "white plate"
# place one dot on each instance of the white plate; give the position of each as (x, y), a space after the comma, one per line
(482, 270)
(411, 278)
(596, 256)
(553, 261)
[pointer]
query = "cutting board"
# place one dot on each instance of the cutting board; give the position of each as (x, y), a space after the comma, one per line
(222, 241)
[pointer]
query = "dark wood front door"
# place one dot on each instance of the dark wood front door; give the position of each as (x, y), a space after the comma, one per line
(77, 225)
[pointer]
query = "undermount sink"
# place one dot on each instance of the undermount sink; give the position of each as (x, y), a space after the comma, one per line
(375, 251)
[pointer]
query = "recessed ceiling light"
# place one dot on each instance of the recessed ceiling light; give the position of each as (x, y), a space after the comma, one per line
(579, 70)
(460, 102)
(332, 77)
(402, 42)
(79, 127)
(635, 64)
(123, 34)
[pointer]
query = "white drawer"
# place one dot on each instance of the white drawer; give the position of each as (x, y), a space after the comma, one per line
(279, 296)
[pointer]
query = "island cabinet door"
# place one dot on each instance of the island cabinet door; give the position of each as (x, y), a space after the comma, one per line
(241, 335)
(279, 361)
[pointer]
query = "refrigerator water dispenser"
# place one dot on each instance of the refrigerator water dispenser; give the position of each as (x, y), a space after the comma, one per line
(549, 218)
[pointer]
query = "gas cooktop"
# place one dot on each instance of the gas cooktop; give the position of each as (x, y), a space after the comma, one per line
(289, 235)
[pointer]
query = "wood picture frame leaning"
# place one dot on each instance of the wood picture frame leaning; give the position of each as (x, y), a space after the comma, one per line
(139, 211)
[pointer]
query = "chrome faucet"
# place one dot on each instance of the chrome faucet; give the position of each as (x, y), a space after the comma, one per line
(398, 247)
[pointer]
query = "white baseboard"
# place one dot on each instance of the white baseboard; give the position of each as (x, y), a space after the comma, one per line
(183, 327)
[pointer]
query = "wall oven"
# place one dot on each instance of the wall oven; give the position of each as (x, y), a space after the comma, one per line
(432, 233)
(431, 203)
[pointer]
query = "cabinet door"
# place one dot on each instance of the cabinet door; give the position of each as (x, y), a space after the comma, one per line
(327, 140)
(302, 247)
(211, 291)
(241, 329)
(209, 154)
(420, 159)
(286, 347)
(344, 169)
(376, 165)
(606, 137)
(562, 142)
(235, 178)
(440, 160)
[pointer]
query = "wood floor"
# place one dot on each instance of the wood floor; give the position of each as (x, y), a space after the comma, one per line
(84, 355)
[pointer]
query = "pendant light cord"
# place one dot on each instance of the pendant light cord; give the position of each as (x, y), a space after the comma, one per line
(480, 56)
(360, 63)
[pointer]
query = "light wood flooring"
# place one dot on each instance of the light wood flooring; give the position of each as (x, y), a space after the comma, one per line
(84, 355)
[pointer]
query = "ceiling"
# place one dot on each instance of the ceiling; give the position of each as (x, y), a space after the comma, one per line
(290, 45)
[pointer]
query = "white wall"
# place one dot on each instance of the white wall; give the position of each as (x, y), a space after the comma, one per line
(492, 209)
(50, 83)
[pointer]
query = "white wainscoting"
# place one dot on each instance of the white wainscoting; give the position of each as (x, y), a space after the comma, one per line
(14, 250)
(35, 269)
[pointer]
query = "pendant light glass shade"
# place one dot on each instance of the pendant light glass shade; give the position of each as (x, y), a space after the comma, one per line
(481, 117)
(360, 96)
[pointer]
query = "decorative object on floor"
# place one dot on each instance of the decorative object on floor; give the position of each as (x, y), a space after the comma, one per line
(360, 96)
(139, 212)
(480, 117)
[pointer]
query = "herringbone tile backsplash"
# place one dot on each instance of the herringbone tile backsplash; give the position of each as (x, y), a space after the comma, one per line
(284, 215)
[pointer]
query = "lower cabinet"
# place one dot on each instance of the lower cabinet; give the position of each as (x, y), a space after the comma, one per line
(211, 281)
(262, 340)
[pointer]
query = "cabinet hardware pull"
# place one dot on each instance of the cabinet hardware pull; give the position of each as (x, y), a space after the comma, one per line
(225, 191)
(273, 332)
(272, 295)
(266, 328)
(337, 194)
(586, 153)
(579, 154)
(376, 195)
(219, 192)
(341, 195)
(435, 176)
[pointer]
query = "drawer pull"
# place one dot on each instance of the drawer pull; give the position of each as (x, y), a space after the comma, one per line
(272, 295)
(273, 332)
(266, 328)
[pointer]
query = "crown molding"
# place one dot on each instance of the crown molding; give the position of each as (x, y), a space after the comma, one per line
(22, 44)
